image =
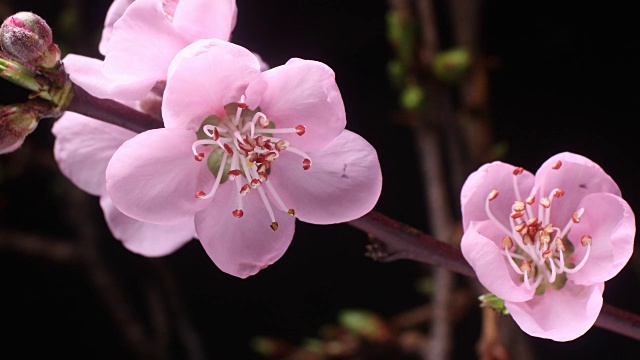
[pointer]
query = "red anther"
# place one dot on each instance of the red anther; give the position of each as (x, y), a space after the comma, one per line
(558, 193)
(585, 240)
(244, 189)
(560, 244)
(268, 145)
(270, 156)
(237, 213)
(281, 145)
(246, 147)
(530, 200)
(200, 194)
(520, 227)
(228, 149)
(199, 156)
(262, 168)
(255, 157)
(274, 226)
(233, 173)
(262, 175)
(517, 214)
(242, 105)
(575, 217)
(545, 203)
(263, 121)
(547, 253)
(493, 194)
(507, 243)
(525, 266)
(527, 240)
(518, 171)
(260, 141)
(300, 129)
(306, 164)
(250, 141)
(518, 206)
(255, 183)
(216, 134)
(557, 165)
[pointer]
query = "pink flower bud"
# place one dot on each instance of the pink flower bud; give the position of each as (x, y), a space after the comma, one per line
(26, 38)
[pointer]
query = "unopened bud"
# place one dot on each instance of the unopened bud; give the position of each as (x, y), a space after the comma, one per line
(26, 38)
(19, 120)
(451, 65)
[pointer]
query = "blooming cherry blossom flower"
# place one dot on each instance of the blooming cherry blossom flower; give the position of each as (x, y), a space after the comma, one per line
(243, 154)
(141, 37)
(547, 243)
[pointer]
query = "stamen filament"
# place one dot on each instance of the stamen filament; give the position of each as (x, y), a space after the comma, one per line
(218, 178)
(512, 262)
(236, 120)
(584, 261)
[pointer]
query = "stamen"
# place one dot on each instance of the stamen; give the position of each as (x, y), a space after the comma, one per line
(306, 164)
(269, 209)
(512, 262)
(237, 213)
(493, 194)
(552, 277)
(278, 199)
(244, 190)
(216, 183)
(233, 173)
(299, 129)
(575, 218)
(240, 104)
(557, 165)
(585, 241)
(507, 243)
(274, 226)
(200, 194)
(199, 156)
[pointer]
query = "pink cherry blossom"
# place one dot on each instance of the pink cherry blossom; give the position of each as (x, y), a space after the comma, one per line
(547, 243)
(83, 148)
(243, 154)
(141, 38)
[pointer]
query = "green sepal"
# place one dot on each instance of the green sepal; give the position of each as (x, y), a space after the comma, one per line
(494, 302)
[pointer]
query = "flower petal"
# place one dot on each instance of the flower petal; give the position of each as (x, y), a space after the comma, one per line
(142, 45)
(154, 177)
(151, 240)
(83, 148)
(577, 177)
(610, 222)
(481, 247)
(203, 78)
(116, 10)
(560, 315)
(205, 19)
(302, 92)
(242, 247)
(499, 176)
(342, 184)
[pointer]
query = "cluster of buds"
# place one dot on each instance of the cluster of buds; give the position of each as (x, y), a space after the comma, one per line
(25, 37)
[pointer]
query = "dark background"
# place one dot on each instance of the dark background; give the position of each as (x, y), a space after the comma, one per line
(566, 80)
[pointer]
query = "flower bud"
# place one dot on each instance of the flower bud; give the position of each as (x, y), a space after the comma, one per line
(19, 120)
(27, 38)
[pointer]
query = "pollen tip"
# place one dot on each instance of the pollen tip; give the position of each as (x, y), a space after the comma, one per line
(585, 240)
(557, 165)
(306, 164)
(242, 105)
(493, 194)
(518, 171)
(237, 213)
(200, 194)
(274, 226)
(300, 130)
(291, 212)
(199, 156)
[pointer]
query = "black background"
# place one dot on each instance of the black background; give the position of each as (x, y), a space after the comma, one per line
(566, 81)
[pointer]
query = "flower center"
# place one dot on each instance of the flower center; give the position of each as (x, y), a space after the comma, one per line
(242, 148)
(169, 8)
(537, 249)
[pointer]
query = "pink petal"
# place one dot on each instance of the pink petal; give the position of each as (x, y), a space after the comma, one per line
(578, 177)
(87, 73)
(496, 175)
(342, 184)
(143, 238)
(242, 247)
(560, 315)
(83, 148)
(203, 78)
(205, 19)
(481, 247)
(302, 92)
(610, 222)
(116, 10)
(154, 177)
(142, 45)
